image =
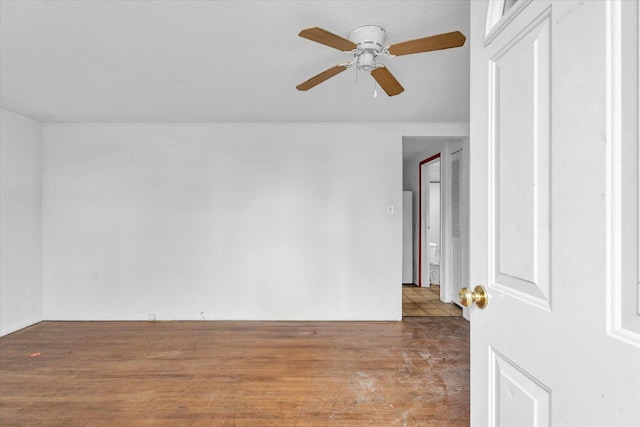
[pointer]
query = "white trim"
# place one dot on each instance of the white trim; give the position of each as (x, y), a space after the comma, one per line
(496, 22)
(425, 263)
(614, 178)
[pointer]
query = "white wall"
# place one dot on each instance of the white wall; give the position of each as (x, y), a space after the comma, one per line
(20, 222)
(227, 221)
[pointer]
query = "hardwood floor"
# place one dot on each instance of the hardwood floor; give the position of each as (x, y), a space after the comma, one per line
(409, 373)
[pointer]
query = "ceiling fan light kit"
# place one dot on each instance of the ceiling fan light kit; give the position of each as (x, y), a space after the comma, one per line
(366, 43)
(369, 40)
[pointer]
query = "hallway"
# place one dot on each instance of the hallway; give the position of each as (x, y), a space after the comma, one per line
(425, 302)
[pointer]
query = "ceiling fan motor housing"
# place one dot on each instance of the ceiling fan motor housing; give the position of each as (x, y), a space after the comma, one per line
(370, 41)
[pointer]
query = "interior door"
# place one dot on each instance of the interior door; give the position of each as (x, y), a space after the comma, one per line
(554, 213)
(457, 221)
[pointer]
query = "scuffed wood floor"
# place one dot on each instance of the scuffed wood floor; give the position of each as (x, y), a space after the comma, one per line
(409, 373)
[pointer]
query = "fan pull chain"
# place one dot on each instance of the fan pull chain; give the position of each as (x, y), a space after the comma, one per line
(375, 89)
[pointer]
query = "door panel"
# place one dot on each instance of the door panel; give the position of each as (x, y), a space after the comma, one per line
(520, 147)
(517, 398)
(554, 214)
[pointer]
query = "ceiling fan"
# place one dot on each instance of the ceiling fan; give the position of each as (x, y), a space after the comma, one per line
(367, 43)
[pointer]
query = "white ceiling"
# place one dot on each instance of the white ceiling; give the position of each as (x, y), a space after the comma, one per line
(222, 61)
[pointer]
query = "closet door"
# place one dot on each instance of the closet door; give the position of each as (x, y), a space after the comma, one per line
(457, 225)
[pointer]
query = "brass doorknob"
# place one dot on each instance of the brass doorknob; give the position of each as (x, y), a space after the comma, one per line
(479, 296)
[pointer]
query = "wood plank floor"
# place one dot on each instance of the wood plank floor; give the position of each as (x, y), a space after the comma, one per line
(409, 373)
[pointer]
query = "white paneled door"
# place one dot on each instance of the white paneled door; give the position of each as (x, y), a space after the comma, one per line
(554, 213)
(457, 223)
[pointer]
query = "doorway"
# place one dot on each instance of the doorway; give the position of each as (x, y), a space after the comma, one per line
(427, 177)
(429, 221)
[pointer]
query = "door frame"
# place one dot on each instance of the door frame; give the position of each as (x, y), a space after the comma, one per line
(421, 224)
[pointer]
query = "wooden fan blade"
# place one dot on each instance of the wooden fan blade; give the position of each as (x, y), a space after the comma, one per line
(386, 81)
(325, 75)
(427, 44)
(327, 38)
